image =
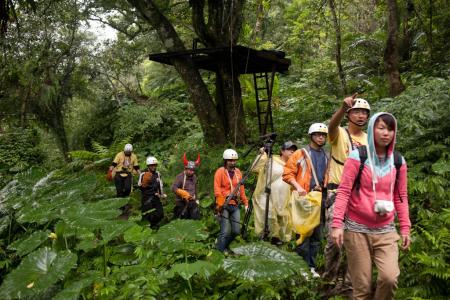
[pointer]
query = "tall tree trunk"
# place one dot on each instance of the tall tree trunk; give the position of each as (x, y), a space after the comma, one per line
(224, 25)
(337, 29)
(57, 126)
(53, 118)
(405, 42)
(228, 94)
(201, 99)
(391, 58)
(222, 30)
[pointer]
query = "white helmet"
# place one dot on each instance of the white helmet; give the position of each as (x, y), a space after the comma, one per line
(151, 160)
(128, 147)
(360, 103)
(230, 154)
(318, 127)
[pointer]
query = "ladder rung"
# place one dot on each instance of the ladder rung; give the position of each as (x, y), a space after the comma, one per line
(263, 100)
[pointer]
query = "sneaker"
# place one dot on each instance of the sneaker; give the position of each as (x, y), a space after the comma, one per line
(314, 273)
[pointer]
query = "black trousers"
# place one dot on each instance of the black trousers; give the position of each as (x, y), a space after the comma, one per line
(123, 185)
(123, 189)
(186, 210)
(154, 205)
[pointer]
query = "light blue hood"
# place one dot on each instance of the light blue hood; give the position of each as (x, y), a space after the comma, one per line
(373, 161)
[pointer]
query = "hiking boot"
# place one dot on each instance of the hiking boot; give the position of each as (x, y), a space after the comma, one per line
(229, 252)
(314, 273)
(276, 241)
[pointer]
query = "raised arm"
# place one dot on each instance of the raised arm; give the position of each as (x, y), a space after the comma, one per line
(337, 117)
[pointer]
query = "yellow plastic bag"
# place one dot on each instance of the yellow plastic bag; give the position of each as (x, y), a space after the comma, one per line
(305, 213)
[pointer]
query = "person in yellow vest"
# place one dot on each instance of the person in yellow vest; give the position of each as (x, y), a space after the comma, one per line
(280, 230)
(343, 141)
(124, 165)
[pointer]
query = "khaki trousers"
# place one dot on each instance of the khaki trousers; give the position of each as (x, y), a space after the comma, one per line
(363, 250)
(335, 257)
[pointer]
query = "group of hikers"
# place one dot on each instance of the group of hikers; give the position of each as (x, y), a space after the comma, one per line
(360, 186)
(152, 189)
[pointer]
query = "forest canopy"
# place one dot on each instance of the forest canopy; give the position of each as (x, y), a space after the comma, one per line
(71, 100)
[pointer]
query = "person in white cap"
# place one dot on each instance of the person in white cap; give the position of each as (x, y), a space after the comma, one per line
(123, 166)
(226, 179)
(342, 141)
(305, 172)
(151, 187)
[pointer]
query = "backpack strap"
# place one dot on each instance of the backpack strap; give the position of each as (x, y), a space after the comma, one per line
(350, 148)
(313, 171)
(362, 159)
(398, 161)
(350, 141)
(337, 161)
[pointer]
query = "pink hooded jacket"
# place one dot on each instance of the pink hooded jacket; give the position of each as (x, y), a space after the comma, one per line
(359, 206)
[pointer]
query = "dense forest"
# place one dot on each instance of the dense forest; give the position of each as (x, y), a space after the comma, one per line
(70, 101)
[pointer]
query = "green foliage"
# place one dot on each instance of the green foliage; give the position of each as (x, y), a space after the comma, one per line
(19, 149)
(121, 259)
(37, 273)
(203, 268)
(426, 266)
(261, 262)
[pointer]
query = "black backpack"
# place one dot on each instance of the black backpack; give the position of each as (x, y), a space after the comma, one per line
(363, 157)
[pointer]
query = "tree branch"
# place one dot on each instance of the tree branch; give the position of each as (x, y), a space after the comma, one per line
(198, 22)
(167, 34)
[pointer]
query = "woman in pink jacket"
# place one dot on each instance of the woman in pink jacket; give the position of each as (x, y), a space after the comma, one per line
(367, 212)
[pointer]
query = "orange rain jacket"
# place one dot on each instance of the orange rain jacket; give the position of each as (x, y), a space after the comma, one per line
(298, 167)
(222, 187)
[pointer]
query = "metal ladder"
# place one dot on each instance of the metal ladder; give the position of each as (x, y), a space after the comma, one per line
(263, 102)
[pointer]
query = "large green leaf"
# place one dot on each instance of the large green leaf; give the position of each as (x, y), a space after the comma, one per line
(261, 261)
(93, 215)
(44, 210)
(109, 230)
(180, 235)
(29, 243)
(20, 189)
(36, 273)
(115, 229)
(53, 194)
(137, 234)
(73, 290)
(200, 267)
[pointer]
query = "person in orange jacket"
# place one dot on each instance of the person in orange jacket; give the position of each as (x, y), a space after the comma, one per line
(298, 172)
(226, 179)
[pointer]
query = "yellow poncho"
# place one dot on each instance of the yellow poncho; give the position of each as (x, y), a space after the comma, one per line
(279, 220)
